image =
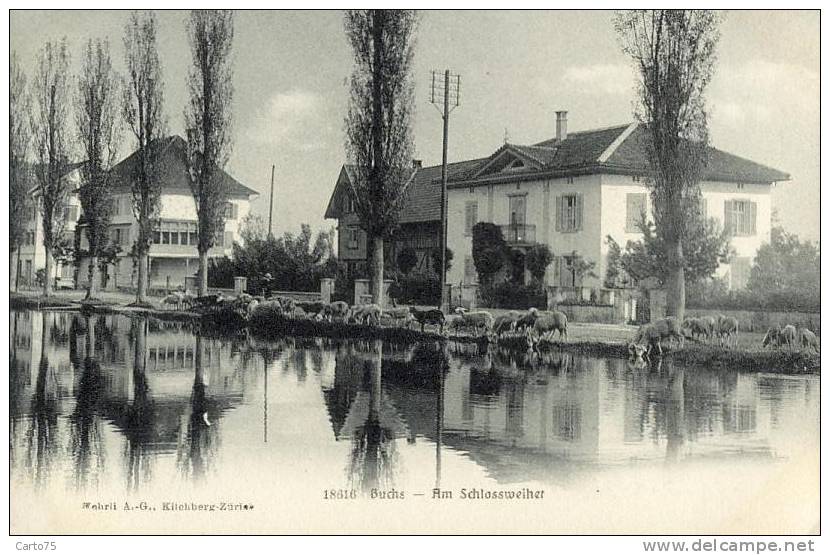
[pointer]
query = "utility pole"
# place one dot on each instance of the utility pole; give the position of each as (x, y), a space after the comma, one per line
(271, 206)
(439, 93)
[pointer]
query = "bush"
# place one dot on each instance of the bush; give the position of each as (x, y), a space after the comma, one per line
(407, 259)
(418, 288)
(713, 295)
(511, 295)
(221, 272)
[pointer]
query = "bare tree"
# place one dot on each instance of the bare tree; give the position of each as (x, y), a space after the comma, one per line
(97, 115)
(208, 120)
(50, 90)
(674, 53)
(144, 112)
(378, 134)
(19, 175)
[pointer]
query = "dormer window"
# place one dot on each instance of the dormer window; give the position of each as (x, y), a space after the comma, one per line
(516, 164)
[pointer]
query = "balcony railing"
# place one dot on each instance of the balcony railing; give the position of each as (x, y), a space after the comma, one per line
(522, 234)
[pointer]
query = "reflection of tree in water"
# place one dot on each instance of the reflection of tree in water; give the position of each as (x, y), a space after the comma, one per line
(140, 413)
(42, 436)
(85, 433)
(373, 455)
(200, 444)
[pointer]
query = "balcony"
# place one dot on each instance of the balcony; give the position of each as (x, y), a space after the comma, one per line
(519, 234)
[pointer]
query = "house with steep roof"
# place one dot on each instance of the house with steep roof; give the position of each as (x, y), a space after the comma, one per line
(570, 192)
(173, 252)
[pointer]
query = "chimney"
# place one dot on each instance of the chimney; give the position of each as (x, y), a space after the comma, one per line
(417, 164)
(561, 125)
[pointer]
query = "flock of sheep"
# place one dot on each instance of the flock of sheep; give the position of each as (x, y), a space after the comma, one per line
(536, 325)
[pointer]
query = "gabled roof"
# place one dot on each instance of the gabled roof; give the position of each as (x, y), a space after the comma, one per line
(173, 167)
(618, 149)
(423, 196)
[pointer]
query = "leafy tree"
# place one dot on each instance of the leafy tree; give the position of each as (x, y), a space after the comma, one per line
(378, 124)
(20, 181)
(98, 130)
(407, 259)
(143, 108)
(786, 264)
(50, 90)
(674, 53)
(489, 251)
(208, 120)
(615, 274)
(539, 257)
(517, 266)
(706, 246)
(436, 259)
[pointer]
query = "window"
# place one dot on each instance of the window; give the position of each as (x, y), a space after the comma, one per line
(119, 235)
(635, 210)
(569, 212)
(570, 180)
(114, 206)
(352, 239)
(229, 239)
(174, 237)
(470, 216)
(348, 205)
(636, 178)
(156, 237)
(518, 209)
(165, 237)
(739, 217)
(194, 238)
(230, 211)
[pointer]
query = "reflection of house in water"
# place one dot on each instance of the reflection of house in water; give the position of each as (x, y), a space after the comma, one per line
(545, 421)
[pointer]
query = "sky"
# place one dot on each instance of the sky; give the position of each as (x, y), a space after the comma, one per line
(517, 68)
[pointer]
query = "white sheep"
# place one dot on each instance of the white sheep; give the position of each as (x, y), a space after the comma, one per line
(476, 319)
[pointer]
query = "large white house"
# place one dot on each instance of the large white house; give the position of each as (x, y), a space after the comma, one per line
(572, 191)
(173, 253)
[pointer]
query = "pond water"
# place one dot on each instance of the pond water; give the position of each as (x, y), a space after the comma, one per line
(124, 424)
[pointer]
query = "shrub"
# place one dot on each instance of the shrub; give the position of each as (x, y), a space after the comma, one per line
(538, 258)
(511, 295)
(407, 259)
(490, 252)
(418, 288)
(713, 295)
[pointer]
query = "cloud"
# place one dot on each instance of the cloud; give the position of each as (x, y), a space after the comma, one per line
(761, 91)
(615, 79)
(296, 119)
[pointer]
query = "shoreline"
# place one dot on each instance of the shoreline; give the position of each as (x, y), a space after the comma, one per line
(272, 326)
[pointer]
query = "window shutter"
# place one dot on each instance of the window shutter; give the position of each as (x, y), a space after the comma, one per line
(752, 214)
(558, 213)
(557, 262)
(579, 212)
(727, 216)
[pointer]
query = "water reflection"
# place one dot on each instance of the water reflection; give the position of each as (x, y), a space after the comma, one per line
(113, 404)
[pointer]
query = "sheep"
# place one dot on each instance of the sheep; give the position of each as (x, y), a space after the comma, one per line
(476, 319)
(367, 313)
(728, 329)
(808, 340)
(454, 323)
(175, 299)
(429, 316)
(526, 320)
(401, 315)
(654, 333)
(636, 351)
(549, 322)
(697, 328)
(337, 309)
(650, 335)
(778, 337)
(505, 323)
(188, 299)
